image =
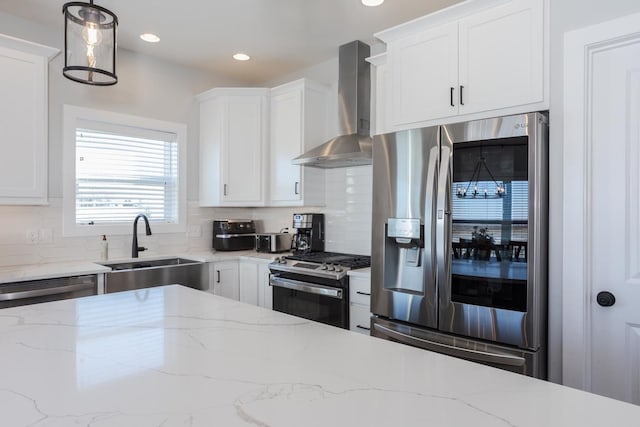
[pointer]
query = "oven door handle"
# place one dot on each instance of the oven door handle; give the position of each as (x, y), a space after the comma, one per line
(310, 288)
(484, 356)
(10, 296)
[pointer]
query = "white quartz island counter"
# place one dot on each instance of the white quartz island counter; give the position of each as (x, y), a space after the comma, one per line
(174, 356)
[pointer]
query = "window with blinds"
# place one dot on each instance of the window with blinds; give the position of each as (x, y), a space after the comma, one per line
(120, 174)
(504, 218)
(483, 166)
(116, 166)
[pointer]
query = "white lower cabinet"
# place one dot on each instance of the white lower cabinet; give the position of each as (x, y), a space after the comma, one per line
(265, 292)
(224, 279)
(254, 283)
(249, 282)
(360, 304)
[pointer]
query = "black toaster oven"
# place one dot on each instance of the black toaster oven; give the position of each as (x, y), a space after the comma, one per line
(234, 234)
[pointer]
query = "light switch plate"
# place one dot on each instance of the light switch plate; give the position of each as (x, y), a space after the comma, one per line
(45, 235)
(32, 237)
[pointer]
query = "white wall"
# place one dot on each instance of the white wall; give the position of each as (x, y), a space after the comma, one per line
(566, 15)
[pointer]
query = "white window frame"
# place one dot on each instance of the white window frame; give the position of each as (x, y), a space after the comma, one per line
(73, 115)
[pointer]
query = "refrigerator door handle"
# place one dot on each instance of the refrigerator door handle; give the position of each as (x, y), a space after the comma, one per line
(484, 356)
(443, 226)
(432, 191)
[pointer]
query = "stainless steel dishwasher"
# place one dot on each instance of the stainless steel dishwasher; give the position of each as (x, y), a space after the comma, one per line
(14, 294)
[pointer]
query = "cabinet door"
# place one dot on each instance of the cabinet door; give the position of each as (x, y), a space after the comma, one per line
(23, 123)
(225, 279)
(502, 57)
(243, 149)
(264, 288)
(360, 319)
(424, 75)
(360, 304)
(381, 124)
(249, 282)
(286, 143)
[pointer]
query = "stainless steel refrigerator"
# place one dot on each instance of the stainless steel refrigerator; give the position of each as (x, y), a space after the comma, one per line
(459, 240)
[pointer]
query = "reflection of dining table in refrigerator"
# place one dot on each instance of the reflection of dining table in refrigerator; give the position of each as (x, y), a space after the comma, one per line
(490, 283)
(512, 251)
(489, 269)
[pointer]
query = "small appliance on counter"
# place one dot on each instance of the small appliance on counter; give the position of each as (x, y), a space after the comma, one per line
(310, 232)
(234, 234)
(273, 242)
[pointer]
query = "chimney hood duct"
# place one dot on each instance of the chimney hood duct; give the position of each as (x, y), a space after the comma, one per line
(353, 146)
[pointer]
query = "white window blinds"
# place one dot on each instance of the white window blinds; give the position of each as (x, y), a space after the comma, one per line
(123, 171)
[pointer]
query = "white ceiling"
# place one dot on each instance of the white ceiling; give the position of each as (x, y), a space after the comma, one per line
(282, 36)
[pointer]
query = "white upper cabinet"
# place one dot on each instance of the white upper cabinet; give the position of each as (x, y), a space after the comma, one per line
(501, 57)
(24, 110)
(379, 89)
(472, 60)
(298, 112)
(233, 147)
(424, 75)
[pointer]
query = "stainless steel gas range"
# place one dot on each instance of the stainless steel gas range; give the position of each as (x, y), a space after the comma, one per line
(315, 285)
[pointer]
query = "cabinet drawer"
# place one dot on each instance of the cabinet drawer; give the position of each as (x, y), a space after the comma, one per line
(359, 319)
(360, 290)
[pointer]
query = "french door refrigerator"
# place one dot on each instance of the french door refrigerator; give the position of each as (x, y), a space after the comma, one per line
(459, 240)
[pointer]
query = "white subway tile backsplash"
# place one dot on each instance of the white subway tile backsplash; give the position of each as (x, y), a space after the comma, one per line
(348, 210)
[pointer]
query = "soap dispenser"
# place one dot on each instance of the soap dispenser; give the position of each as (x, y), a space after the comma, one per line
(104, 248)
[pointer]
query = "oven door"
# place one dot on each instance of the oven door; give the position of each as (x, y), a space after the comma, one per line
(319, 302)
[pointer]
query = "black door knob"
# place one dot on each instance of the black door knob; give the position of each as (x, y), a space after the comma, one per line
(605, 299)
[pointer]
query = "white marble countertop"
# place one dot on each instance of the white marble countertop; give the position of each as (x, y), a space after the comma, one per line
(20, 273)
(360, 272)
(174, 356)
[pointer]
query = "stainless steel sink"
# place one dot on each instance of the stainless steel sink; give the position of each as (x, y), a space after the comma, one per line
(141, 274)
(132, 265)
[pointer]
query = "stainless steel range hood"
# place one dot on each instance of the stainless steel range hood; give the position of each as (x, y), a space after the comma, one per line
(353, 146)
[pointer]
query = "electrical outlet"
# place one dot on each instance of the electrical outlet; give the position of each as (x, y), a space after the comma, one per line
(45, 235)
(32, 237)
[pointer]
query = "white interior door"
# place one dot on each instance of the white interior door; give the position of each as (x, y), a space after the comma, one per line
(602, 210)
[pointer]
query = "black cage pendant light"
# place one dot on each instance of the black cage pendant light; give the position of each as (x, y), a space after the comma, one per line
(89, 44)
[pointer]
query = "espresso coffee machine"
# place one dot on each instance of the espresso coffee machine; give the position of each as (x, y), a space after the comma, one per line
(310, 232)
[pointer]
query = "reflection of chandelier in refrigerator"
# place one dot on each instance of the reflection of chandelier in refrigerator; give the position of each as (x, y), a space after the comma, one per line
(471, 191)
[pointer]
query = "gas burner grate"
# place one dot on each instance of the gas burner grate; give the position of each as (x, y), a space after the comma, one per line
(345, 260)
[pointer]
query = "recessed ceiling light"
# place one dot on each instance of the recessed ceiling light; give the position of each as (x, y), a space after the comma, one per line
(151, 38)
(241, 57)
(372, 2)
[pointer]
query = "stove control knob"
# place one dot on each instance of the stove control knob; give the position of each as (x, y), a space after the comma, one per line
(323, 267)
(331, 268)
(338, 269)
(282, 260)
